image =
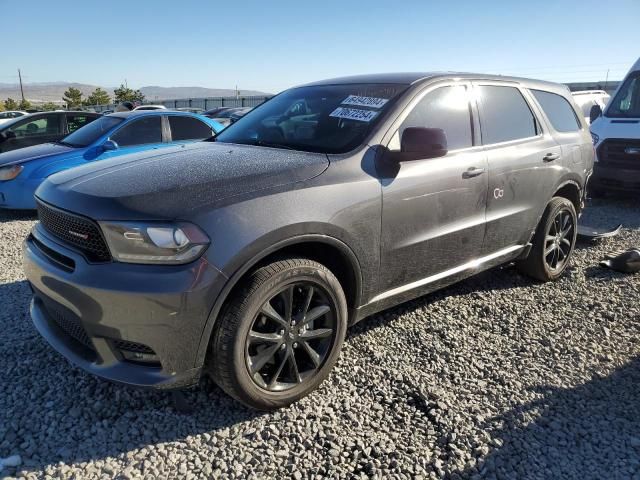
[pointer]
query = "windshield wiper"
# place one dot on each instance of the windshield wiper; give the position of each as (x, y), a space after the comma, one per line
(263, 143)
(66, 144)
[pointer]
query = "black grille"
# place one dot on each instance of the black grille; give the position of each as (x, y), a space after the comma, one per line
(133, 347)
(613, 153)
(78, 231)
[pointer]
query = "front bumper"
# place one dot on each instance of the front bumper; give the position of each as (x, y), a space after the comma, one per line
(17, 194)
(135, 324)
(613, 178)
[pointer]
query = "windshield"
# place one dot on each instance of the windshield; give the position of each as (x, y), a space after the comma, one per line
(626, 103)
(85, 136)
(324, 118)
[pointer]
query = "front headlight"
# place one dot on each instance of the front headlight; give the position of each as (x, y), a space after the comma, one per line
(142, 242)
(9, 173)
(595, 138)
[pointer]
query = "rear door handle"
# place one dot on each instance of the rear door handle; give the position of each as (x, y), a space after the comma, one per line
(550, 157)
(473, 172)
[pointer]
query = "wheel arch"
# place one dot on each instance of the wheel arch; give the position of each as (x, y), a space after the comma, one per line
(572, 191)
(328, 250)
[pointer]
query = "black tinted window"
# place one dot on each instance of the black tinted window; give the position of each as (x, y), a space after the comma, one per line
(505, 115)
(139, 132)
(75, 121)
(188, 128)
(558, 111)
(446, 108)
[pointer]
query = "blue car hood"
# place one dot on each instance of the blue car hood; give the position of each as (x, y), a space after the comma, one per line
(28, 154)
(177, 181)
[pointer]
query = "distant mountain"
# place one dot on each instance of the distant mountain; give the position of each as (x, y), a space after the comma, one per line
(54, 91)
(167, 93)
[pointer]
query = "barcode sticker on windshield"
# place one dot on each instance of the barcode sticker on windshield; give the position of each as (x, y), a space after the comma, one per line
(372, 102)
(354, 114)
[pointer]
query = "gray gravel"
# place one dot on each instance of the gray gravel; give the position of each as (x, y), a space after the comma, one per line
(497, 377)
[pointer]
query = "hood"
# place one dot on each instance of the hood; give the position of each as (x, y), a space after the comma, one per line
(176, 182)
(607, 127)
(28, 154)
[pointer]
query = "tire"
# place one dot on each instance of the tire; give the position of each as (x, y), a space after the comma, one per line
(245, 335)
(539, 265)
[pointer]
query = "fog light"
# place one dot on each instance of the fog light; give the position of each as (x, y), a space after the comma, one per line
(140, 357)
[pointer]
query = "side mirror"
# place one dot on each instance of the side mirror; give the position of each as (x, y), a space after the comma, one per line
(421, 143)
(109, 145)
(595, 112)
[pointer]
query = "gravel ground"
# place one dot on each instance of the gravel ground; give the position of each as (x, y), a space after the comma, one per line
(496, 377)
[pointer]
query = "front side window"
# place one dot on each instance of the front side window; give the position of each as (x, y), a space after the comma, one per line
(85, 136)
(558, 110)
(321, 118)
(504, 115)
(49, 125)
(188, 128)
(626, 103)
(139, 132)
(446, 108)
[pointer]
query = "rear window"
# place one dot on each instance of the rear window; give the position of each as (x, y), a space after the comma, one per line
(505, 115)
(85, 136)
(558, 110)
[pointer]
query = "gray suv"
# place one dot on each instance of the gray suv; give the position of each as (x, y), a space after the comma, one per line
(248, 255)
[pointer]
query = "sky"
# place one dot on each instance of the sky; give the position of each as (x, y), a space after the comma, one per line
(269, 46)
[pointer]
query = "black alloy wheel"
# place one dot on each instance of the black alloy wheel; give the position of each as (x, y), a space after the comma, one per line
(290, 337)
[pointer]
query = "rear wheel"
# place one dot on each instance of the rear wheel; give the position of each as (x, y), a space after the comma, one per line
(553, 242)
(280, 334)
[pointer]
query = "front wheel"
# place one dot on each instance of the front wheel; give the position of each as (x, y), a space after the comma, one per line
(280, 335)
(553, 242)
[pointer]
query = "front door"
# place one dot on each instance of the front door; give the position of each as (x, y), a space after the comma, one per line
(433, 214)
(33, 130)
(144, 133)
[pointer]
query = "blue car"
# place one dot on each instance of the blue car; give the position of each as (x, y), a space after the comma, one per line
(23, 170)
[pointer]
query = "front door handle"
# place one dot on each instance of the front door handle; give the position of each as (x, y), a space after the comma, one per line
(550, 157)
(473, 172)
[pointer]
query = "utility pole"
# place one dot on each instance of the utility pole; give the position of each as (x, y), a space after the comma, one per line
(606, 80)
(21, 90)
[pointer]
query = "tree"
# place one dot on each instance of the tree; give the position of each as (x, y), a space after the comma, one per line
(24, 104)
(72, 97)
(49, 107)
(125, 94)
(98, 97)
(10, 104)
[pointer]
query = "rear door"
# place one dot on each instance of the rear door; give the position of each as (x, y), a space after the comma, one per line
(568, 130)
(525, 163)
(184, 129)
(433, 214)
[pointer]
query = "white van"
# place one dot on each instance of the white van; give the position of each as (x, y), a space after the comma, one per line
(588, 98)
(616, 138)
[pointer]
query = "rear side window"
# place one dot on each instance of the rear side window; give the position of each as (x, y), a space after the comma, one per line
(505, 115)
(75, 121)
(558, 111)
(446, 108)
(188, 128)
(140, 132)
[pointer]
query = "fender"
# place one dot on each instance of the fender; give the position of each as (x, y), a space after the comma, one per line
(562, 184)
(238, 274)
